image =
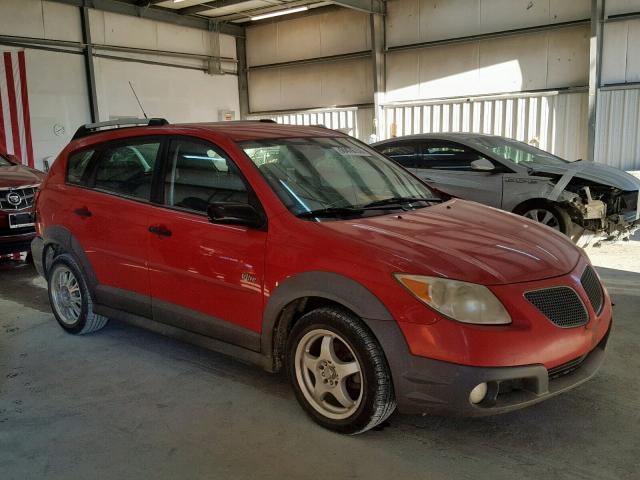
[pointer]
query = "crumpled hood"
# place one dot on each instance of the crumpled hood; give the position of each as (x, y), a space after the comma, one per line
(595, 172)
(464, 241)
(18, 176)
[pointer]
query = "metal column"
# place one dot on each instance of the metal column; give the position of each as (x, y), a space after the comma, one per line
(88, 60)
(243, 84)
(595, 64)
(379, 72)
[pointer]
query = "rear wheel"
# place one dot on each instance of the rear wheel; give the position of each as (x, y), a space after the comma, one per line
(70, 299)
(339, 372)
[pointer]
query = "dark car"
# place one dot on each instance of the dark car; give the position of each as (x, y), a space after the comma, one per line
(18, 186)
(586, 201)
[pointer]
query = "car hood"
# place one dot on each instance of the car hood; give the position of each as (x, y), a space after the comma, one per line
(18, 176)
(464, 241)
(594, 172)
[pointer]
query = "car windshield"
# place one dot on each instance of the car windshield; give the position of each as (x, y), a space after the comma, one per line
(518, 152)
(336, 175)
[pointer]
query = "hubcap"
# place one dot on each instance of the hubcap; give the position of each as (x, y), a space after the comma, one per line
(66, 295)
(328, 374)
(543, 216)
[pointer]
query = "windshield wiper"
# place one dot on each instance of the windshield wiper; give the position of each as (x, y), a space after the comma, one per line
(398, 201)
(330, 212)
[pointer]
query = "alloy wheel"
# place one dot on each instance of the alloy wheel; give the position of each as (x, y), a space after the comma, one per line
(543, 216)
(329, 374)
(66, 295)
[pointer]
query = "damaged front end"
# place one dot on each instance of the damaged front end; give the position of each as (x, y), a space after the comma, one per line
(600, 212)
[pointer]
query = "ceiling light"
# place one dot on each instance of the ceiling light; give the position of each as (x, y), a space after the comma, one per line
(280, 12)
(178, 1)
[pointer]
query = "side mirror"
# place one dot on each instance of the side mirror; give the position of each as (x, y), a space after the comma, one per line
(482, 165)
(231, 213)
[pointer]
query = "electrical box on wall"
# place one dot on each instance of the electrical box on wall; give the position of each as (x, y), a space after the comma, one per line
(226, 115)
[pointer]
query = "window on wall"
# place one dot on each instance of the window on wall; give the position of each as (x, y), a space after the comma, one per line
(448, 156)
(199, 174)
(127, 169)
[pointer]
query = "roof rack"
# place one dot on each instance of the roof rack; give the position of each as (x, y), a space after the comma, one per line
(91, 128)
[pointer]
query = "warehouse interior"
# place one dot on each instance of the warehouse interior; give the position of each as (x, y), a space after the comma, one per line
(563, 76)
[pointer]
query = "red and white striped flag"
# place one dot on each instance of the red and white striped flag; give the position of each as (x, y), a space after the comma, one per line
(15, 123)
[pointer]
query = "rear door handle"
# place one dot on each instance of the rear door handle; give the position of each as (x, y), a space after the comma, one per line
(160, 230)
(83, 212)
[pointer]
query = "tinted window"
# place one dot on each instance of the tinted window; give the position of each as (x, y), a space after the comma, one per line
(199, 174)
(404, 153)
(127, 169)
(448, 156)
(77, 167)
(517, 152)
(315, 173)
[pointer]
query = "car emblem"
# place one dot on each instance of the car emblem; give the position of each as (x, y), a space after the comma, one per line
(14, 198)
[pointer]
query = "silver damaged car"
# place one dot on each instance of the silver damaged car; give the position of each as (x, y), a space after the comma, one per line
(587, 201)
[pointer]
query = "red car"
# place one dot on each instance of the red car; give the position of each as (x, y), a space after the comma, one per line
(300, 248)
(18, 185)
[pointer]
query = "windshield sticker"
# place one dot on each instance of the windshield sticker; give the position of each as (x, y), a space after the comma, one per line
(353, 151)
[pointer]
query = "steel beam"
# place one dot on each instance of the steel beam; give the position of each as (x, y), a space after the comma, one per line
(243, 81)
(155, 13)
(203, 7)
(379, 73)
(595, 64)
(88, 62)
(367, 6)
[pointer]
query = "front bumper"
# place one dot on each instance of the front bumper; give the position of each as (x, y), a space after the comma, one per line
(437, 387)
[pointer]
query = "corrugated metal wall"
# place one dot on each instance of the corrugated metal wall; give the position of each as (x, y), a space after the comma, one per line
(554, 121)
(618, 128)
(356, 121)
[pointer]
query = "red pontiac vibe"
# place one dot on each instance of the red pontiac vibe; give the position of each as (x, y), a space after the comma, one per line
(300, 248)
(18, 185)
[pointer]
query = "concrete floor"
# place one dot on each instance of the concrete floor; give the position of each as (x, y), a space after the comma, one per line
(126, 403)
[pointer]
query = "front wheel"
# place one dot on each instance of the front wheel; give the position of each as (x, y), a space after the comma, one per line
(339, 372)
(549, 215)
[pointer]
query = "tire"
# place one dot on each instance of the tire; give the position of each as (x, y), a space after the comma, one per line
(70, 298)
(334, 346)
(549, 215)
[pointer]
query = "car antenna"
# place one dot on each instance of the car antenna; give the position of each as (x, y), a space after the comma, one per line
(138, 100)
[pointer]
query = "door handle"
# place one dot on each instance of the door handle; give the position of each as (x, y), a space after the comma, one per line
(160, 230)
(83, 212)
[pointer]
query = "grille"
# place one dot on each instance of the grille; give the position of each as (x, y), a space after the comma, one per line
(26, 195)
(591, 285)
(561, 305)
(566, 368)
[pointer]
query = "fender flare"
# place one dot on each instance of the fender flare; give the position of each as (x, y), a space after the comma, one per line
(331, 286)
(62, 237)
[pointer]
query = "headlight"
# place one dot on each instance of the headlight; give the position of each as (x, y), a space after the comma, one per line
(461, 301)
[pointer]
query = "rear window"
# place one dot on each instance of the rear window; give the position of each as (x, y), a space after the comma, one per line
(77, 167)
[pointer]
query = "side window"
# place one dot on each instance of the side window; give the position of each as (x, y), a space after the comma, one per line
(198, 174)
(127, 169)
(449, 156)
(77, 167)
(406, 154)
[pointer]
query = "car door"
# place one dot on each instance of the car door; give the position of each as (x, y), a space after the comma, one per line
(205, 277)
(447, 166)
(108, 214)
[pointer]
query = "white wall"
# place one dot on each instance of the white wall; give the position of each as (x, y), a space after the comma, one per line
(326, 84)
(534, 61)
(57, 84)
(415, 21)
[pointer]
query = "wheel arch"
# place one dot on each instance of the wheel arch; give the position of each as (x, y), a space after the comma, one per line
(58, 240)
(522, 207)
(307, 291)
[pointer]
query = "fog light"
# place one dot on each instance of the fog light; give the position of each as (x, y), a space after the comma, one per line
(478, 393)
